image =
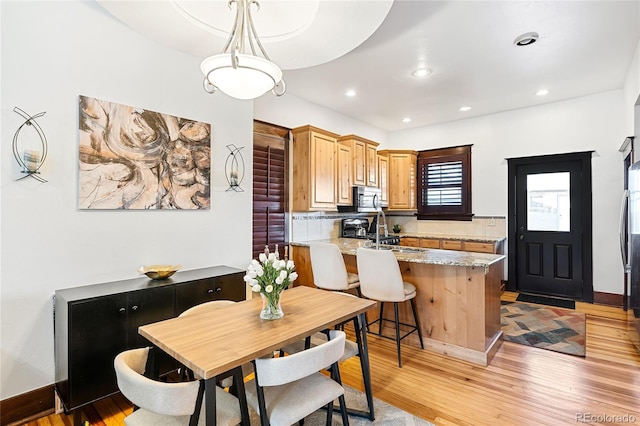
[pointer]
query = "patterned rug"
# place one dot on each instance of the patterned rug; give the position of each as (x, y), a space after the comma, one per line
(385, 414)
(546, 327)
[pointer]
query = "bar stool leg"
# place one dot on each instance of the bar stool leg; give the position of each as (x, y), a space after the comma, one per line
(415, 318)
(380, 319)
(395, 308)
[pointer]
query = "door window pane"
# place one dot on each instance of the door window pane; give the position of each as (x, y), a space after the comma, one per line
(548, 203)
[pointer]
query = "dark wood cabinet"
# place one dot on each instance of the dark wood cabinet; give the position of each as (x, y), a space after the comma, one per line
(96, 322)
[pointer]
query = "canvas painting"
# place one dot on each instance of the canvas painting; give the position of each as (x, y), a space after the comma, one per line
(132, 158)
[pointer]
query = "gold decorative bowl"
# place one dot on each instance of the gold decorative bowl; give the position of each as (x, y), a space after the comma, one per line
(159, 272)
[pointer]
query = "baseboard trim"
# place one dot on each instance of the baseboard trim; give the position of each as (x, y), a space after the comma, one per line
(27, 406)
(609, 299)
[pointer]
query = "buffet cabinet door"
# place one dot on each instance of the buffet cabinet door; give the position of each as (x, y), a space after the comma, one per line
(99, 332)
(229, 287)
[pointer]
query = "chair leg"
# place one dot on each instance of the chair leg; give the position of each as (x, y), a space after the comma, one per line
(380, 319)
(415, 318)
(329, 413)
(395, 308)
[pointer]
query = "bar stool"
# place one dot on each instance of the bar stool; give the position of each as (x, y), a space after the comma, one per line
(381, 280)
(329, 271)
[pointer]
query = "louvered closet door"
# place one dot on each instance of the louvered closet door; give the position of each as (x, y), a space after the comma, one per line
(270, 187)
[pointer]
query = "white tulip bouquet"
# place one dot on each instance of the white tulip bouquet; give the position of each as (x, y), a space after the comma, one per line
(270, 276)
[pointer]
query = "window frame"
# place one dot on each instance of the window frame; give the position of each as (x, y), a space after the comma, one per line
(445, 155)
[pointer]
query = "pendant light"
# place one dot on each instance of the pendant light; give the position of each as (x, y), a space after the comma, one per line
(236, 72)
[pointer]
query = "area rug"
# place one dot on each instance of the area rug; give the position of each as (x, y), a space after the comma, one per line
(545, 327)
(385, 414)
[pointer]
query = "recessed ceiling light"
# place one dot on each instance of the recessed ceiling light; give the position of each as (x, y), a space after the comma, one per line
(526, 39)
(464, 108)
(421, 72)
(350, 93)
(406, 119)
(542, 92)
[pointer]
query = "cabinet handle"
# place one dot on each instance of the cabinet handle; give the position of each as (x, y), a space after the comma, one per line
(121, 310)
(134, 308)
(218, 290)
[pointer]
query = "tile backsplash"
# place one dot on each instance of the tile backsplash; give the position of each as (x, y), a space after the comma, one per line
(323, 225)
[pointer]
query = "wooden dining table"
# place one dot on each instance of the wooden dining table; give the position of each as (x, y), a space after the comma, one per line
(224, 338)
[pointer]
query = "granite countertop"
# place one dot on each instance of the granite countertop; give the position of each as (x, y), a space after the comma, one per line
(413, 254)
(480, 239)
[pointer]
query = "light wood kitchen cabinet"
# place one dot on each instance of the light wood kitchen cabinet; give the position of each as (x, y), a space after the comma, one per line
(451, 245)
(383, 179)
(429, 243)
(402, 179)
(410, 242)
(345, 174)
(480, 247)
(365, 159)
(315, 169)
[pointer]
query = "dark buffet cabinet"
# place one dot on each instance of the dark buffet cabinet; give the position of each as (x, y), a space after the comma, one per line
(94, 323)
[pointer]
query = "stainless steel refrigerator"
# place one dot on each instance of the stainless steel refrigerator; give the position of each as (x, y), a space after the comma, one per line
(630, 249)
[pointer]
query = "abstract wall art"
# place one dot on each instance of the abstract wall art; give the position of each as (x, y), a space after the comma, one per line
(132, 158)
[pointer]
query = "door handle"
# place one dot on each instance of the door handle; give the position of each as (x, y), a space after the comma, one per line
(623, 230)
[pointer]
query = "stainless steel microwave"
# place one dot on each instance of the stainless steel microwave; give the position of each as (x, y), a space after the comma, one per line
(365, 199)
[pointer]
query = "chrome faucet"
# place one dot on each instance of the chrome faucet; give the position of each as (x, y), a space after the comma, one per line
(384, 226)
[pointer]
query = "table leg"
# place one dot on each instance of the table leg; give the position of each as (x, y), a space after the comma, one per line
(238, 385)
(210, 400)
(360, 325)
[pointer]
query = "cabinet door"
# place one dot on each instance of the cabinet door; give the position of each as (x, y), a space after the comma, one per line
(229, 287)
(383, 179)
(372, 165)
(97, 333)
(479, 247)
(429, 243)
(345, 172)
(402, 176)
(359, 163)
(451, 245)
(410, 242)
(324, 170)
(146, 307)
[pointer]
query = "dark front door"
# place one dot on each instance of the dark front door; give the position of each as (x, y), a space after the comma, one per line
(550, 226)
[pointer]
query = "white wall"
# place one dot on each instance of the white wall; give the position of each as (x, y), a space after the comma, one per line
(51, 53)
(291, 111)
(589, 123)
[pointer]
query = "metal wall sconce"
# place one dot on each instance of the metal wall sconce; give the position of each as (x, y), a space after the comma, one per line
(30, 160)
(234, 168)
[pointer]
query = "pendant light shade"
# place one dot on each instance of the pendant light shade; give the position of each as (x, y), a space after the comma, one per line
(237, 73)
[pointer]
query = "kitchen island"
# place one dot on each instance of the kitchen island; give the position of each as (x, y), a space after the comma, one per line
(458, 295)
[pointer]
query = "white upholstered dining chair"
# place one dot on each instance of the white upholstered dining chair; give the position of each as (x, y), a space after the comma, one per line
(351, 349)
(167, 404)
(381, 280)
(287, 389)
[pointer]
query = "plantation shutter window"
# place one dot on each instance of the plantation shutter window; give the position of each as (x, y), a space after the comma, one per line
(444, 183)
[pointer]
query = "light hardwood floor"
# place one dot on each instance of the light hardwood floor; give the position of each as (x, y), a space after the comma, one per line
(521, 386)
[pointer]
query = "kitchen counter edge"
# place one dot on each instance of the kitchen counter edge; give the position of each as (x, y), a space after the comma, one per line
(349, 246)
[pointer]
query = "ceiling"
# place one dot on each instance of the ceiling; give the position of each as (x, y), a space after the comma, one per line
(373, 47)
